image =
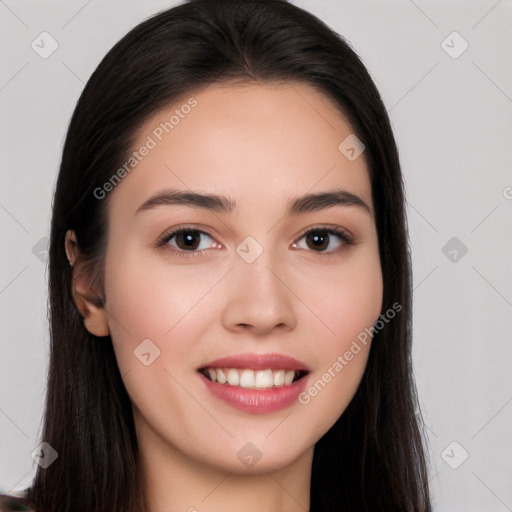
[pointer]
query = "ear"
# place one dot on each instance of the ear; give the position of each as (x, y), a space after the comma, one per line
(86, 299)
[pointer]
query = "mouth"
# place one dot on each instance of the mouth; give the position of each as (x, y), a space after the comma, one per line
(255, 383)
(253, 379)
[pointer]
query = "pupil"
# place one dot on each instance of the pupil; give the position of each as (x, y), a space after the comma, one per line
(187, 240)
(319, 239)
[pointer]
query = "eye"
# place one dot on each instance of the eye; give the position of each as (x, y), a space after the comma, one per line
(188, 240)
(323, 240)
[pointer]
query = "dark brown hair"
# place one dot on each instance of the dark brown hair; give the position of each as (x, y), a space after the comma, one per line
(373, 457)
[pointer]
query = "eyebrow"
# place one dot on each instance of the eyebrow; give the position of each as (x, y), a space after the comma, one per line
(310, 202)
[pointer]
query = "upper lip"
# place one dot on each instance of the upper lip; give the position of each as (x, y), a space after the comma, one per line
(258, 362)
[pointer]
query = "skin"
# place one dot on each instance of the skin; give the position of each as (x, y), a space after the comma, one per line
(259, 145)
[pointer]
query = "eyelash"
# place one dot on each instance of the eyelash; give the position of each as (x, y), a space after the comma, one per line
(166, 237)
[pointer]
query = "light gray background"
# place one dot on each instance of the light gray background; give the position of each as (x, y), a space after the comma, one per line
(452, 118)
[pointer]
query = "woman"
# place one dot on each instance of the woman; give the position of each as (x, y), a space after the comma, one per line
(230, 288)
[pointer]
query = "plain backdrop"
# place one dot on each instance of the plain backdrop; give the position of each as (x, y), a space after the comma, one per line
(444, 72)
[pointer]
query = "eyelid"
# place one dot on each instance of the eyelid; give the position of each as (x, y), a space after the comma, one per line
(164, 239)
(345, 236)
(330, 228)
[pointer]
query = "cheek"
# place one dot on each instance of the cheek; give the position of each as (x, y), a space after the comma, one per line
(150, 302)
(348, 304)
(155, 327)
(346, 298)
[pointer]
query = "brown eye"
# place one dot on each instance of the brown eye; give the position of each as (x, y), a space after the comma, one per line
(189, 240)
(318, 240)
(327, 241)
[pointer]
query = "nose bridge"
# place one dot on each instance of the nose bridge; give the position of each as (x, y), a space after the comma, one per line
(257, 296)
(260, 278)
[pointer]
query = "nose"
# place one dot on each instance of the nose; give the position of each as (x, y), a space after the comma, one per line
(258, 298)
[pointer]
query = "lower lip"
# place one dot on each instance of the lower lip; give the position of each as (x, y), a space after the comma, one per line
(257, 401)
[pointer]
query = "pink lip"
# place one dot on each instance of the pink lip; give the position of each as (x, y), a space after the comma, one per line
(256, 401)
(258, 362)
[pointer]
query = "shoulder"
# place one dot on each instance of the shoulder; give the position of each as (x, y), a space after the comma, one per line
(14, 503)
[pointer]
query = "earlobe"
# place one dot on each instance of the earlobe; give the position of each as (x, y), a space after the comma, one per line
(94, 314)
(88, 304)
(96, 323)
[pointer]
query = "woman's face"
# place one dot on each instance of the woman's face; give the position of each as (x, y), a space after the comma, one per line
(258, 276)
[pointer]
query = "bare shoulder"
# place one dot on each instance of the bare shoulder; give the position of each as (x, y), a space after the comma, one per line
(14, 503)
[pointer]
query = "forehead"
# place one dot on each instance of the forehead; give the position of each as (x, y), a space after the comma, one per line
(244, 141)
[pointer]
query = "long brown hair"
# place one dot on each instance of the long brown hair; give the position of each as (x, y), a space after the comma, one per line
(373, 458)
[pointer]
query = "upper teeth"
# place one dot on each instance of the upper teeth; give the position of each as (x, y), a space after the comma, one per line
(251, 378)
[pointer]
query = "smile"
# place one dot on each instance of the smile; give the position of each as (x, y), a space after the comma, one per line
(255, 383)
(253, 379)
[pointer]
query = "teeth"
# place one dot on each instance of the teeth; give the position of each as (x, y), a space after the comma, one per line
(251, 379)
(233, 377)
(221, 376)
(246, 379)
(279, 378)
(264, 379)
